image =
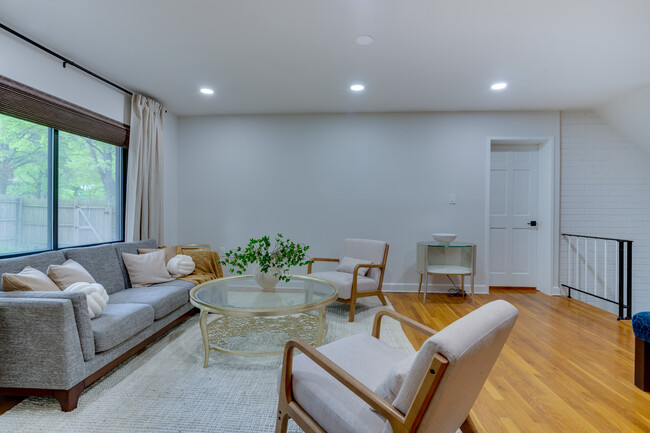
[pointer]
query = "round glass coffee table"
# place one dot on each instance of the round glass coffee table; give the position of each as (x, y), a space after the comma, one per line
(251, 316)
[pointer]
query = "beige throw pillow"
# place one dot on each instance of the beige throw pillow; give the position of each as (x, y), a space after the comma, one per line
(68, 273)
(347, 264)
(29, 279)
(146, 269)
(390, 386)
(169, 252)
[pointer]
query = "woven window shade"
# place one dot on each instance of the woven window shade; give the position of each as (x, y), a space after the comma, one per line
(27, 103)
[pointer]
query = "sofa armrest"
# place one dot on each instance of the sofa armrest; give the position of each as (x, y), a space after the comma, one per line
(81, 315)
(39, 344)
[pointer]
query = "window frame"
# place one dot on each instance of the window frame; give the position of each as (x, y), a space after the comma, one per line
(32, 105)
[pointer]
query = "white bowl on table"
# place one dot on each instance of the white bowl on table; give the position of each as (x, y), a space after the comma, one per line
(444, 238)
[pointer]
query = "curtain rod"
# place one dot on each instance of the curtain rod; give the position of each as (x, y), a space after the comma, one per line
(65, 60)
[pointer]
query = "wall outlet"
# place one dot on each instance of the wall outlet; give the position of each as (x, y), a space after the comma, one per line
(452, 198)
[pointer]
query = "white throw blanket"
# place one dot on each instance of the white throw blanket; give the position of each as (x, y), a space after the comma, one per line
(95, 294)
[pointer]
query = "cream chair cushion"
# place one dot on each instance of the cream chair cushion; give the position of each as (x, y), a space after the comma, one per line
(332, 405)
(365, 249)
(472, 345)
(343, 281)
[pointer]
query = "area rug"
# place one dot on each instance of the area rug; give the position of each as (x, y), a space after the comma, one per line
(165, 389)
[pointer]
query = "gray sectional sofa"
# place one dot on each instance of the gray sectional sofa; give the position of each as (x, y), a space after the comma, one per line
(49, 346)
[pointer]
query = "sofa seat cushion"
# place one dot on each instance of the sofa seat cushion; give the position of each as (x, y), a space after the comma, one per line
(118, 323)
(163, 298)
(332, 405)
(343, 281)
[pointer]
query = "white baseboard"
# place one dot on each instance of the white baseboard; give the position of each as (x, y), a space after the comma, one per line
(558, 291)
(479, 289)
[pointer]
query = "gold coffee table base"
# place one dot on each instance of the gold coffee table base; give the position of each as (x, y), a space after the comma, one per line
(226, 331)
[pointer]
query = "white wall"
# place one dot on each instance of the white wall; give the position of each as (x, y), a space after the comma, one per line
(321, 178)
(606, 193)
(29, 65)
(629, 115)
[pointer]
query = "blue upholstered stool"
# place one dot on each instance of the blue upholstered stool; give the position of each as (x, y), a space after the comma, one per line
(641, 327)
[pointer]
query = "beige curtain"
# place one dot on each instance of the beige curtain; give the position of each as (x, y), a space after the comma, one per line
(144, 197)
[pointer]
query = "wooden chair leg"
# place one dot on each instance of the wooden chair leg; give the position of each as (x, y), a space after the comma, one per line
(420, 286)
(282, 422)
(381, 298)
(353, 303)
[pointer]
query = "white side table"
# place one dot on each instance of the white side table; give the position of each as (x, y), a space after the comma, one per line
(457, 258)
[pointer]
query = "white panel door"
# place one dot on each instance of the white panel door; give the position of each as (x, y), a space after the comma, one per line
(513, 215)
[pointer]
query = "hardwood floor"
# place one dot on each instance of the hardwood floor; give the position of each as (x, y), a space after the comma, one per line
(567, 366)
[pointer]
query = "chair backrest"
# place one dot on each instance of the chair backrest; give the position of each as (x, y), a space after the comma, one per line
(366, 249)
(471, 345)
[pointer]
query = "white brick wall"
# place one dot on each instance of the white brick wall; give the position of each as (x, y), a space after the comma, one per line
(605, 192)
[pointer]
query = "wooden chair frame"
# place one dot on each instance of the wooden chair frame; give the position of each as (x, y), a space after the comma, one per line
(354, 295)
(400, 423)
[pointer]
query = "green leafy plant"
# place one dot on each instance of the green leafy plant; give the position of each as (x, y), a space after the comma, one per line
(282, 255)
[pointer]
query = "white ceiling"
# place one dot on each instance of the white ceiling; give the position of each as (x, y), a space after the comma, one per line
(297, 56)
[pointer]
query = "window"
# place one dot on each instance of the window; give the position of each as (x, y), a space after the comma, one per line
(43, 169)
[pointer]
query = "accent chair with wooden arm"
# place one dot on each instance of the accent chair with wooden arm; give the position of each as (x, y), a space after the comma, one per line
(360, 384)
(360, 272)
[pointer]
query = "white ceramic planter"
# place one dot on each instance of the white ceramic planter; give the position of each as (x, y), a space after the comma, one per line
(266, 280)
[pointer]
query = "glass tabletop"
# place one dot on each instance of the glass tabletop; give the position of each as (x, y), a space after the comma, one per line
(241, 296)
(455, 244)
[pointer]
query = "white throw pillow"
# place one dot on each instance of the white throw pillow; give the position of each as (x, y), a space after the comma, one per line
(180, 265)
(146, 269)
(347, 264)
(95, 295)
(389, 387)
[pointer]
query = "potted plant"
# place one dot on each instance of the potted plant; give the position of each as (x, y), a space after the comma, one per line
(273, 261)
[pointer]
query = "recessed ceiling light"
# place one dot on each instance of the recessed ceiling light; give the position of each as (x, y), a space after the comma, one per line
(357, 87)
(365, 40)
(207, 91)
(499, 86)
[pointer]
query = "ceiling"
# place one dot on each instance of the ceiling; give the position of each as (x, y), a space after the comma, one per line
(300, 56)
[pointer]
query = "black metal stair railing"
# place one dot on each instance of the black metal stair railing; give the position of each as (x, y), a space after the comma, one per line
(579, 264)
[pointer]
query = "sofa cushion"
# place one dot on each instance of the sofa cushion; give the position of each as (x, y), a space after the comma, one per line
(101, 262)
(164, 298)
(29, 279)
(131, 248)
(69, 273)
(118, 323)
(146, 269)
(37, 261)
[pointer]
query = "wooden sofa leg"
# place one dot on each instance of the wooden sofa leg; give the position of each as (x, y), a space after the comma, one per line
(69, 398)
(642, 364)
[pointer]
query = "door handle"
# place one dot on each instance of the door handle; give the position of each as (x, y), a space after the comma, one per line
(532, 223)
